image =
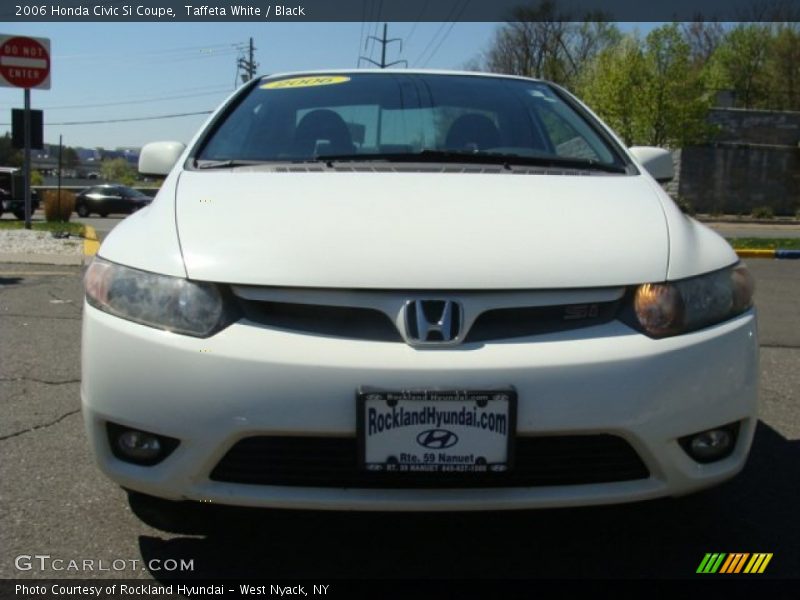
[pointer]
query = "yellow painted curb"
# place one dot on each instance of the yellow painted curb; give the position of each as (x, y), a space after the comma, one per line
(755, 252)
(90, 242)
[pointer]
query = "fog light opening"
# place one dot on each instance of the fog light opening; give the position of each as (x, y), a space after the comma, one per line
(139, 447)
(711, 445)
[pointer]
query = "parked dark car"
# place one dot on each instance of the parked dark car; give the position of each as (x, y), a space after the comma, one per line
(110, 198)
(12, 196)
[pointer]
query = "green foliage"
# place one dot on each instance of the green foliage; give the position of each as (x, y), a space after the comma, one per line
(685, 206)
(612, 83)
(70, 158)
(675, 100)
(118, 170)
(58, 226)
(648, 91)
(740, 63)
(760, 64)
(9, 157)
(763, 212)
(655, 90)
(543, 41)
(783, 68)
(36, 178)
(766, 243)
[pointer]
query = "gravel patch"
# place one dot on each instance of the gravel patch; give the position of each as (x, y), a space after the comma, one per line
(21, 241)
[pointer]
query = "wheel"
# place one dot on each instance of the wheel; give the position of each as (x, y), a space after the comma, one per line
(82, 210)
(20, 214)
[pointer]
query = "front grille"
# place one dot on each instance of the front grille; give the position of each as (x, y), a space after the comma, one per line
(363, 323)
(336, 321)
(333, 462)
(508, 323)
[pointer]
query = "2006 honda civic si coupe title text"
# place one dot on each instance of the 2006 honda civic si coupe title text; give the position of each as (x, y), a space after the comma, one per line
(404, 290)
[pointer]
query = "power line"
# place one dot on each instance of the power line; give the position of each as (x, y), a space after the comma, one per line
(94, 56)
(447, 33)
(180, 59)
(367, 20)
(430, 43)
(150, 118)
(453, 15)
(416, 23)
(145, 101)
(374, 29)
(142, 59)
(361, 33)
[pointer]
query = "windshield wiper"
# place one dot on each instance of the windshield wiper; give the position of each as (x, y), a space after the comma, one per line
(224, 164)
(494, 158)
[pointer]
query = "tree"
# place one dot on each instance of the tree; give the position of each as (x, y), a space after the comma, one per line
(646, 90)
(70, 158)
(118, 169)
(783, 68)
(675, 97)
(9, 156)
(740, 63)
(539, 41)
(612, 84)
(703, 37)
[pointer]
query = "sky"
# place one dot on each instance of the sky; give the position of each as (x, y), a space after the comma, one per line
(109, 71)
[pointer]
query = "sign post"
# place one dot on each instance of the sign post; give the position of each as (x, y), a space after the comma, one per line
(25, 63)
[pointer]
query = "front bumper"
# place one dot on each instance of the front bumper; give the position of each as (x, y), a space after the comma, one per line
(249, 380)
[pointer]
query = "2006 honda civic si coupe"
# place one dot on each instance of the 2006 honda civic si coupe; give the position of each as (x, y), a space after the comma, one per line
(404, 290)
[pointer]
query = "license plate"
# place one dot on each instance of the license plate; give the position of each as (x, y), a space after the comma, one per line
(436, 431)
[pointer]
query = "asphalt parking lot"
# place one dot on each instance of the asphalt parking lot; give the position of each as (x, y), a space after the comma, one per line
(53, 501)
(103, 225)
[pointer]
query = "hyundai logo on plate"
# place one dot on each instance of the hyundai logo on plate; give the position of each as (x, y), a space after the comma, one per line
(437, 439)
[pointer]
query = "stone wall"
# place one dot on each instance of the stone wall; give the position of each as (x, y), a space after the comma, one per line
(776, 128)
(735, 179)
(754, 161)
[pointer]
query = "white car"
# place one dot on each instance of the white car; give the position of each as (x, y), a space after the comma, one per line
(415, 290)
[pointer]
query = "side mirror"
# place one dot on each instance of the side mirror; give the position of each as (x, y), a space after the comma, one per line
(657, 161)
(158, 158)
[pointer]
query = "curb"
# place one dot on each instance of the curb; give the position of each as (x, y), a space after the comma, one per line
(767, 253)
(65, 260)
(90, 242)
(778, 222)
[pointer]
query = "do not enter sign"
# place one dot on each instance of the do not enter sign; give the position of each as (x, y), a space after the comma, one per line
(24, 62)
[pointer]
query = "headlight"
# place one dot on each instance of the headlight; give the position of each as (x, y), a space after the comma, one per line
(672, 308)
(170, 303)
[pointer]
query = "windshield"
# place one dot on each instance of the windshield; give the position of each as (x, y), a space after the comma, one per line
(367, 116)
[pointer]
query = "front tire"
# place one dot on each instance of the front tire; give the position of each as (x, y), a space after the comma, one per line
(20, 214)
(82, 210)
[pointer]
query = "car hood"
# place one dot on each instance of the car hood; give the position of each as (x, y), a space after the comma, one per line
(420, 230)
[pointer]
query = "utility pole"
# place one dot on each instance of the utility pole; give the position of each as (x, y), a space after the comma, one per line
(27, 155)
(60, 152)
(248, 65)
(383, 42)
